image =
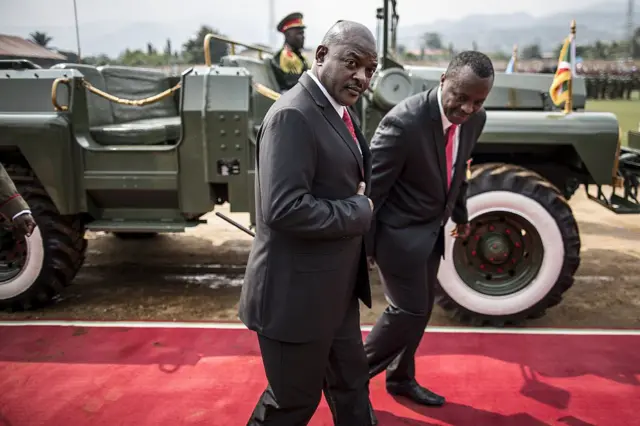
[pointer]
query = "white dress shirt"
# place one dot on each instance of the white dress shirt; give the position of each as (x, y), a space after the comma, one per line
(445, 125)
(339, 108)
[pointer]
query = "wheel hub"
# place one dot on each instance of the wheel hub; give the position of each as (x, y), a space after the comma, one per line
(502, 255)
(495, 248)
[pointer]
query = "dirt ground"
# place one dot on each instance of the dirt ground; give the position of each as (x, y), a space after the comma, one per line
(197, 275)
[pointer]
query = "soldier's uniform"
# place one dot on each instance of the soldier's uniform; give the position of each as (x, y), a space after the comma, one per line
(11, 202)
(289, 64)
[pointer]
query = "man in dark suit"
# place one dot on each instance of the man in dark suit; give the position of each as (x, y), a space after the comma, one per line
(419, 153)
(307, 268)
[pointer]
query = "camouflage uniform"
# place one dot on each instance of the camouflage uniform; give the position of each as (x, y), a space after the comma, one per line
(11, 202)
(289, 64)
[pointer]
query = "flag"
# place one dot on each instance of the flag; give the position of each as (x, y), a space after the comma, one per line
(511, 65)
(559, 90)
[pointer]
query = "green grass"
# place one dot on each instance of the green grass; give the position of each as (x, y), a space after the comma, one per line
(627, 112)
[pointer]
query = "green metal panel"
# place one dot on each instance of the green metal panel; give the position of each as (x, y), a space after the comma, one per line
(224, 95)
(594, 136)
(29, 123)
(633, 139)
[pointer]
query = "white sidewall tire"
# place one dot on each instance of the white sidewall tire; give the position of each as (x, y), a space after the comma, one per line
(31, 270)
(538, 288)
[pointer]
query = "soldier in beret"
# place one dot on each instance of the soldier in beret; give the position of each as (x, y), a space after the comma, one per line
(289, 63)
(13, 208)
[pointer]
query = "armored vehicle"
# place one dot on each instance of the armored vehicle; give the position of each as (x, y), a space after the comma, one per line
(130, 150)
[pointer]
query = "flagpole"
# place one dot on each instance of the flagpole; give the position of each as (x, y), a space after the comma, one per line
(568, 105)
(512, 92)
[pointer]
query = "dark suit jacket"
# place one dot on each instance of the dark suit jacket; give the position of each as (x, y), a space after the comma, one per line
(408, 184)
(308, 256)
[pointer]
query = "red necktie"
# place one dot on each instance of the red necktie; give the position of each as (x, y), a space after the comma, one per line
(347, 120)
(451, 132)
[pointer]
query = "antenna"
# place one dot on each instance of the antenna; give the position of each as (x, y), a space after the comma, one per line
(272, 24)
(75, 13)
(630, 26)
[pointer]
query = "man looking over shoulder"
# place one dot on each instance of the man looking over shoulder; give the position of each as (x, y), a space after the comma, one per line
(307, 269)
(419, 155)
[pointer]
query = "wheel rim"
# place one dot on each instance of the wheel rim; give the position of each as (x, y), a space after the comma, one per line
(502, 255)
(13, 255)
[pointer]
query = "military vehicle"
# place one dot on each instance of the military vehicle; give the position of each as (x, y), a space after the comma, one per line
(130, 150)
(531, 158)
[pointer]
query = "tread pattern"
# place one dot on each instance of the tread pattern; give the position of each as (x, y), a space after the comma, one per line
(64, 243)
(506, 177)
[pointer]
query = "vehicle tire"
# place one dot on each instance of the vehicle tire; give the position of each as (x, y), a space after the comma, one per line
(53, 253)
(522, 254)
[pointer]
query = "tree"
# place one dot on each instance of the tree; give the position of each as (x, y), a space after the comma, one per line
(581, 50)
(151, 51)
(432, 40)
(635, 50)
(474, 45)
(531, 51)
(167, 49)
(41, 39)
(194, 47)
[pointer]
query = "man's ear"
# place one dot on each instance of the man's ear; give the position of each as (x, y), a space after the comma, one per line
(321, 53)
(442, 78)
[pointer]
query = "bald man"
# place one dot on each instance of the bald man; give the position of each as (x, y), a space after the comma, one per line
(307, 269)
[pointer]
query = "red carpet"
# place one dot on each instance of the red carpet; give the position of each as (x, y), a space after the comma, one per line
(110, 376)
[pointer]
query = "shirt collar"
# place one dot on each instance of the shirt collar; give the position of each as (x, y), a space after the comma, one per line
(445, 121)
(339, 108)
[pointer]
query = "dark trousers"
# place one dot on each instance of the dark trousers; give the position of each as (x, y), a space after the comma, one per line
(298, 373)
(393, 342)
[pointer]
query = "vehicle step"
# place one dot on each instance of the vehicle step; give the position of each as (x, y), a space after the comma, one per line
(142, 226)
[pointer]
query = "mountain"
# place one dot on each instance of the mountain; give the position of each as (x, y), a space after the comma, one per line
(491, 32)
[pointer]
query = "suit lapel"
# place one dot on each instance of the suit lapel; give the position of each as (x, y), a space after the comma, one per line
(461, 158)
(365, 158)
(332, 117)
(438, 136)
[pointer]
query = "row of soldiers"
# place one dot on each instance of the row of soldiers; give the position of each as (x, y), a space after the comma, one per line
(607, 84)
(611, 84)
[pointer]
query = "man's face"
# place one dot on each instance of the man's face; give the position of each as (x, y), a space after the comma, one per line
(463, 94)
(345, 70)
(294, 37)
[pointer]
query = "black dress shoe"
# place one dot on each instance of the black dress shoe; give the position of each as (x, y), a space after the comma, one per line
(416, 393)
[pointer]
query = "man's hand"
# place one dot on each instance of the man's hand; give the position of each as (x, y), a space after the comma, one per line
(23, 225)
(361, 187)
(461, 231)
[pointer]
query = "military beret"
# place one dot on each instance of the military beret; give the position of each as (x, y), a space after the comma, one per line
(293, 20)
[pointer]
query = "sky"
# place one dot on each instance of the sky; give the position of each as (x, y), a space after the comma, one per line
(244, 19)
